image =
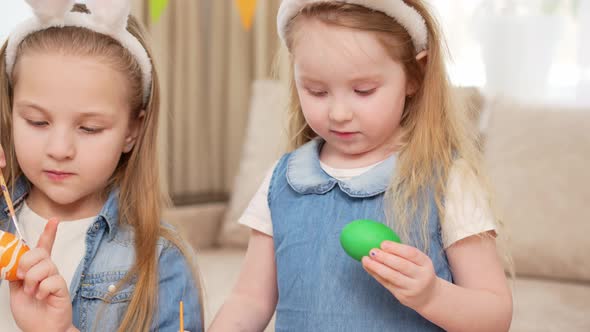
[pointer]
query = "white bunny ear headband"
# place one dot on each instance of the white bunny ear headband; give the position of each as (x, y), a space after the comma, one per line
(404, 14)
(108, 17)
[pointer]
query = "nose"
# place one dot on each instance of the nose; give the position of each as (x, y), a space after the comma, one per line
(60, 145)
(340, 112)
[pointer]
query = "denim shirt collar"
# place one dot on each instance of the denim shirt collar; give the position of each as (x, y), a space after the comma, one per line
(109, 212)
(306, 176)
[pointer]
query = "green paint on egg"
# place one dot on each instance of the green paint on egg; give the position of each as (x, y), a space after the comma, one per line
(360, 236)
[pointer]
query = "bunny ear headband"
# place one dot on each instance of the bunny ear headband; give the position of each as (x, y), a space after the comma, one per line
(108, 17)
(404, 14)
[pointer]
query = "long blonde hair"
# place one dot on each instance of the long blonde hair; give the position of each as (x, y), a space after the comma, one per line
(137, 177)
(437, 127)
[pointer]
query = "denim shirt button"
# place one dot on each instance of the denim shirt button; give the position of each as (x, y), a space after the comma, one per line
(112, 289)
(95, 227)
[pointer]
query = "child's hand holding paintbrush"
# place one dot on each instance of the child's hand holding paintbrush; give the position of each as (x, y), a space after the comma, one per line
(38, 293)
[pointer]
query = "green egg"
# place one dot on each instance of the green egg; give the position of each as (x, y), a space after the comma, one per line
(360, 236)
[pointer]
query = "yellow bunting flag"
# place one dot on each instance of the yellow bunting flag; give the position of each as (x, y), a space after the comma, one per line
(247, 9)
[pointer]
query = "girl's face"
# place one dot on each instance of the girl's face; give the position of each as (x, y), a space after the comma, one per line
(352, 92)
(71, 123)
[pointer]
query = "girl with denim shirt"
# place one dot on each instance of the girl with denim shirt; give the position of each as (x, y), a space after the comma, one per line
(79, 117)
(376, 134)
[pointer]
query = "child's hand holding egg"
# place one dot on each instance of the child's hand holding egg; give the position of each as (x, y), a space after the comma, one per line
(360, 236)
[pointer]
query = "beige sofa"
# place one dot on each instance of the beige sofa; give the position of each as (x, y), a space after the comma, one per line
(539, 161)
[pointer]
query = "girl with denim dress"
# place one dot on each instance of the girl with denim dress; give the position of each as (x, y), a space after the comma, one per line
(376, 133)
(79, 111)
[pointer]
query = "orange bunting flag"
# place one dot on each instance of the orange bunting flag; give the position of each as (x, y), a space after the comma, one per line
(247, 8)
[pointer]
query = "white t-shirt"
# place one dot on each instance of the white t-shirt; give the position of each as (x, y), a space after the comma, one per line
(68, 251)
(467, 211)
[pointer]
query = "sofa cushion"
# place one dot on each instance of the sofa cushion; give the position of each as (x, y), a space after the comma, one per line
(198, 224)
(545, 305)
(539, 162)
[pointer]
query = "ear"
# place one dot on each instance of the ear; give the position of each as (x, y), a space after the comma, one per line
(422, 59)
(133, 131)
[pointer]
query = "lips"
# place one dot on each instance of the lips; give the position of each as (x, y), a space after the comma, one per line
(57, 175)
(344, 134)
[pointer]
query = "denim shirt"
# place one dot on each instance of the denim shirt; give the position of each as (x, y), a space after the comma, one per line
(320, 288)
(110, 254)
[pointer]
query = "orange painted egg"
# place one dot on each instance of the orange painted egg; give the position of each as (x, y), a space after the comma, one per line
(11, 249)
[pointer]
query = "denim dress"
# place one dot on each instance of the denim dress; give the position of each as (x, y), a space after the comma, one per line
(320, 288)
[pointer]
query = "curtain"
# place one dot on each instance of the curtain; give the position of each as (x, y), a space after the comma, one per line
(207, 62)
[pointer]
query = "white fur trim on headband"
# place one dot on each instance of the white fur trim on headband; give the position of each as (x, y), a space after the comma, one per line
(108, 17)
(404, 14)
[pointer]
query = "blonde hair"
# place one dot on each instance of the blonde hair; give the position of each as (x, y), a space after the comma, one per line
(140, 198)
(436, 126)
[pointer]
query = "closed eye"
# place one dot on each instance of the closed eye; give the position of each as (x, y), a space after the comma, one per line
(317, 93)
(365, 92)
(37, 123)
(91, 130)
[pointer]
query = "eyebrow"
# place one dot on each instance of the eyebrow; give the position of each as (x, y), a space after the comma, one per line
(373, 78)
(29, 104)
(84, 114)
(308, 79)
(376, 78)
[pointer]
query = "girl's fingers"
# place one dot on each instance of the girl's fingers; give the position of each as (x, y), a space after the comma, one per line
(395, 262)
(30, 259)
(54, 285)
(37, 274)
(389, 275)
(48, 236)
(410, 253)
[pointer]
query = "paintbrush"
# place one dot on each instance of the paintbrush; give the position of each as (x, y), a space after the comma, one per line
(10, 207)
(181, 317)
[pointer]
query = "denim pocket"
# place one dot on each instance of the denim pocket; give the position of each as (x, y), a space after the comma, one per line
(106, 286)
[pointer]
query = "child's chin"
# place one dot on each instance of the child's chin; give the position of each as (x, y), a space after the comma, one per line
(63, 197)
(350, 148)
